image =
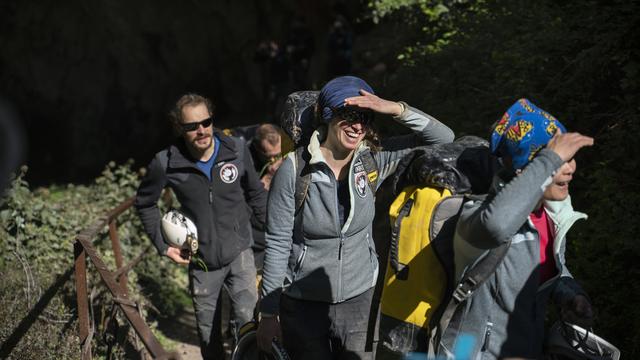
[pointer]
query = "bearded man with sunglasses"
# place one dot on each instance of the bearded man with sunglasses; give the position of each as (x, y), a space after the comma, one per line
(212, 175)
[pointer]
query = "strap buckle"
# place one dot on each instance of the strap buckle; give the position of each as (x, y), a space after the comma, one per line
(464, 289)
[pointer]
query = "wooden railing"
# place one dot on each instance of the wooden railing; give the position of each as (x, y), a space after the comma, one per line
(116, 283)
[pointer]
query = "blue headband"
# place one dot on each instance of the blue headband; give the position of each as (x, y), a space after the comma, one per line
(334, 93)
(523, 131)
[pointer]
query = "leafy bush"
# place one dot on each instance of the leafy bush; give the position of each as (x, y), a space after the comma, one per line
(38, 229)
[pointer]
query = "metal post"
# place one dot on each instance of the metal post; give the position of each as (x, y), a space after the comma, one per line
(115, 244)
(81, 297)
(129, 307)
(83, 248)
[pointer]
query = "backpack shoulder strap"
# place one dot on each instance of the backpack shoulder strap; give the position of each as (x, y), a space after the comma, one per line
(303, 177)
(371, 168)
(442, 227)
(399, 268)
(470, 282)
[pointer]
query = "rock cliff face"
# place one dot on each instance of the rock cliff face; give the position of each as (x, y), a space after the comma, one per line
(93, 80)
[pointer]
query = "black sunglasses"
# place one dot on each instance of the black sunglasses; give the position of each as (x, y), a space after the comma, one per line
(195, 125)
(351, 115)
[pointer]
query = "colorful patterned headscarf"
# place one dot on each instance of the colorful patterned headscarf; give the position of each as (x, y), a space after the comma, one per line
(523, 131)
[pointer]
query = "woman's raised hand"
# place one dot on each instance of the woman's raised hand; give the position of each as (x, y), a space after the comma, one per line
(372, 102)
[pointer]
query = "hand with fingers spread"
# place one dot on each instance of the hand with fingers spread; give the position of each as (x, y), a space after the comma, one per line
(372, 102)
(566, 145)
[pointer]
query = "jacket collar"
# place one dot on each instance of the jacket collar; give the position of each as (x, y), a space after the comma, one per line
(180, 157)
(562, 211)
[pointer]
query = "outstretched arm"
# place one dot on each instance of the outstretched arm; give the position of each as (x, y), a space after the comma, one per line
(428, 128)
(494, 222)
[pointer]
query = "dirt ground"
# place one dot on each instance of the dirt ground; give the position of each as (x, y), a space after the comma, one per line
(182, 329)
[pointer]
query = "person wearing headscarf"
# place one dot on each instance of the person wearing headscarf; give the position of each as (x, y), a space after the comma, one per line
(321, 264)
(529, 208)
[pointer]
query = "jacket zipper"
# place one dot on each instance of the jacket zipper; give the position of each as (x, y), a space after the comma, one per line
(349, 177)
(337, 222)
(299, 262)
(487, 336)
(209, 180)
(218, 253)
(339, 294)
(340, 268)
(341, 234)
(374, 269)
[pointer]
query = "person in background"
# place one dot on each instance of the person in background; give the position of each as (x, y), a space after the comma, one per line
(268, 146)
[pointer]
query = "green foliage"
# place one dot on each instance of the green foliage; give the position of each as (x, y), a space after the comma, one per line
(578, 60)
(430, 9)
(38, 229)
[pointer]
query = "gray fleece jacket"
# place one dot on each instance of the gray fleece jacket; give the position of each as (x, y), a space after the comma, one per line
(317, 259)
(506, 314)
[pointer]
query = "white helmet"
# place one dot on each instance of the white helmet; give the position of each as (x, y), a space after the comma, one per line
(569, 341)
(179, 231)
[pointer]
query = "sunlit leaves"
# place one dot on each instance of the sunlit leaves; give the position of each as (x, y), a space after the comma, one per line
(578, 60)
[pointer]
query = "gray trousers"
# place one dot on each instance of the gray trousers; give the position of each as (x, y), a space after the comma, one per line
(239, 280)
(317, 330)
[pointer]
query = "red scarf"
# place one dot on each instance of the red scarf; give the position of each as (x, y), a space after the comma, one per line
(545, 228)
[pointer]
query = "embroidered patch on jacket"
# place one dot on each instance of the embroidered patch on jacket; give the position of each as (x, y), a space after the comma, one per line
(228, 173)
(358, 167)
(361, 183)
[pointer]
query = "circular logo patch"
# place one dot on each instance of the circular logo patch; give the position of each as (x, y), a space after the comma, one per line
(361, 183)
(228, 173)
